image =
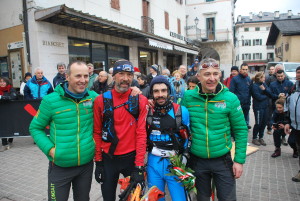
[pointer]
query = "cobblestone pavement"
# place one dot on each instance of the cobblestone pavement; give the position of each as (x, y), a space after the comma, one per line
(23, 174)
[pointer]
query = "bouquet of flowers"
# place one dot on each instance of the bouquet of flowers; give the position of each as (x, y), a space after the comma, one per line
(184, 174)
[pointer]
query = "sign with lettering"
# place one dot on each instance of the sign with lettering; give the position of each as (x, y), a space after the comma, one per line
(15, 45)
(175, 35)
(53, 43)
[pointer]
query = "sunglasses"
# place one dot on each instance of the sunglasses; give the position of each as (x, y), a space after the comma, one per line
(207, 65)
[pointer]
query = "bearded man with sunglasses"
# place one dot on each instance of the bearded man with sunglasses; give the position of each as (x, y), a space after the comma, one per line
(214, 112)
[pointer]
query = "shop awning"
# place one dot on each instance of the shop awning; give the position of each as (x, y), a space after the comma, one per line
(159, 44)
(65, 16)
(182, 49)
(257, 64)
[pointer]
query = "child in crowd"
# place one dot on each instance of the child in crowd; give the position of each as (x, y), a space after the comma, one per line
(278, 126)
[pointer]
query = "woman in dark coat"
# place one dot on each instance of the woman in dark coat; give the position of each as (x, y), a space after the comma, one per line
(7, 93)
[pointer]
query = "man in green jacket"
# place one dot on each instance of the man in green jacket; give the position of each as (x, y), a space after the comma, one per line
(214, 111)
(68, 111)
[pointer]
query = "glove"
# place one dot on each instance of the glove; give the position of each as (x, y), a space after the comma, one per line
(99, 171)
(138, 176)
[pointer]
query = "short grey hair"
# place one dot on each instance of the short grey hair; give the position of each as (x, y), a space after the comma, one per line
(37, 69)
(61, 64)
(167, 71)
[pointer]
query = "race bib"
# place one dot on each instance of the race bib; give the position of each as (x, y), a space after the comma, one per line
(162, 153)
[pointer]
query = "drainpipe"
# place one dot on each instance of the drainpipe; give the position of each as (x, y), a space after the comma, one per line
(25, 21)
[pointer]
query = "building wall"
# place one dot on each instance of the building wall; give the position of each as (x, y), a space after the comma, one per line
(130, 13)
(250, 35)
(293, 53)
(11, 12)
(10, 35)
(222, 11)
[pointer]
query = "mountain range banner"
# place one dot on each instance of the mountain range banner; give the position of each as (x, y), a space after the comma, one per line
(15, 117)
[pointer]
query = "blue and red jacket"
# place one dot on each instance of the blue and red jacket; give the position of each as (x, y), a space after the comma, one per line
(37, 89)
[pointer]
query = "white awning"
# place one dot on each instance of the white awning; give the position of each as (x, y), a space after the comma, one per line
(182, 49)
(159, 44)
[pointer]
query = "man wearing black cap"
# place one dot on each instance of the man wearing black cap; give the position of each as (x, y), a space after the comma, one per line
(153, 72)
(119, 132)
(167, 127)
(233, 72)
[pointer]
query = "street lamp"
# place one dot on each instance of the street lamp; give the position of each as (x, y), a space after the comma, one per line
(196, 20)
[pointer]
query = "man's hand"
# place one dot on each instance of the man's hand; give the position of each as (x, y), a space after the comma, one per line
(237, 170)
(99, 171)
(135, 91)
(287, 129)
(52, 152)
(151, 103)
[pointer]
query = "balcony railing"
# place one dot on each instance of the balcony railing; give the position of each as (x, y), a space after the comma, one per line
(147, 24)
(209, 36)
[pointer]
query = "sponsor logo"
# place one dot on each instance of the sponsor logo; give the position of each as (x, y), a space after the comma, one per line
(220, 105)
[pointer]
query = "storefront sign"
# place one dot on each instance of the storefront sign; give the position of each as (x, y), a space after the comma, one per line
(15, 45)
(53, 43)
(180, 37)
(159, 44)
(185, 50)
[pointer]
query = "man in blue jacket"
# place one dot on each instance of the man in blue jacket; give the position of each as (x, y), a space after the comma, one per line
(240, 86)
(38, 86)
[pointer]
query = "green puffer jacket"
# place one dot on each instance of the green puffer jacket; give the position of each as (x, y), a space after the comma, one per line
(212, 117)
(71, 128)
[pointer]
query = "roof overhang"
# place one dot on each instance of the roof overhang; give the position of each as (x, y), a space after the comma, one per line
(64, 16)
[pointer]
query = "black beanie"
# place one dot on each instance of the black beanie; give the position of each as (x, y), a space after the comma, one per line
(235, 68)
(158, 80)
(28, 74)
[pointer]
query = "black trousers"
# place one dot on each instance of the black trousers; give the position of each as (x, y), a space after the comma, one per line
(220, 170)
(61, 178)
(113, 167)
(5, 141)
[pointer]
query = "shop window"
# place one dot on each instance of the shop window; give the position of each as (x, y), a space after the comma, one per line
(99, 57)
(115, 4)
(115, 53)
(79, 50)
(4, 67)
(166, 20)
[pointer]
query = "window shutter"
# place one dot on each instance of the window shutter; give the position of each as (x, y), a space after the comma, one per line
(260, 56)
(254, 42)
(115, 4)
(249, 56)
(260, 41)
(250, 43)
(166, 20)
(242, 42)
(243, 56)
(178, 26)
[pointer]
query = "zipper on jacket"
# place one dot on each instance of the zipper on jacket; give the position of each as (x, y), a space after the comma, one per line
(54, 141)
(206, 125)
(78, 127)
